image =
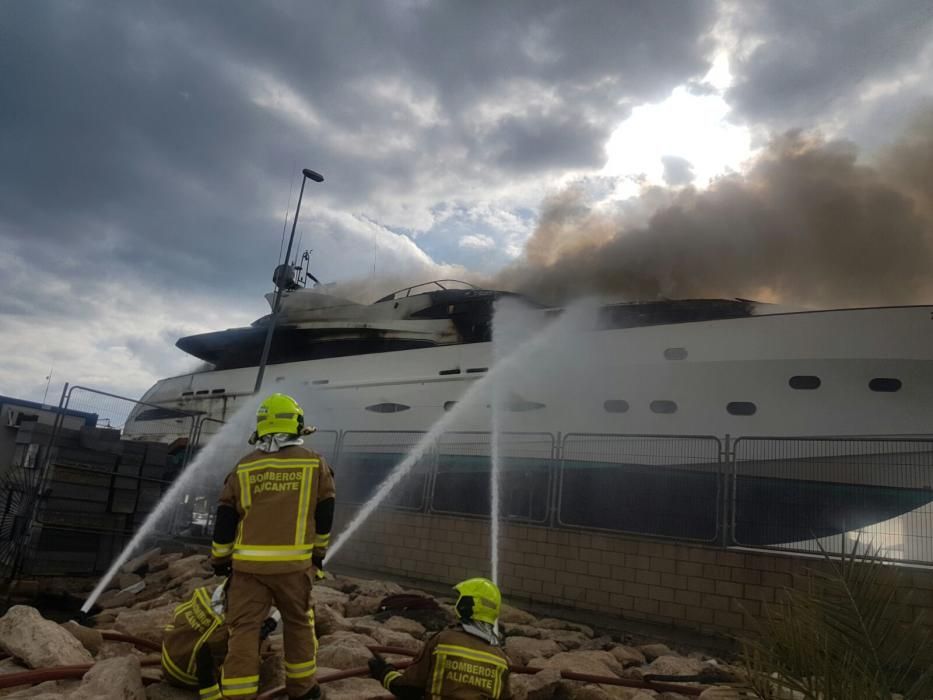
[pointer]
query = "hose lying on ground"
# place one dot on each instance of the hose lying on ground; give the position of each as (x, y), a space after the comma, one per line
(566, 675)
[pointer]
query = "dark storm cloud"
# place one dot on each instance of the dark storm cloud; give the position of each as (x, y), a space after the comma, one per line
(811, 58)
(808, 224)
(137, 136)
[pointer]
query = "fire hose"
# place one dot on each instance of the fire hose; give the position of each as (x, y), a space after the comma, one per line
(645, 684)
(41, 675)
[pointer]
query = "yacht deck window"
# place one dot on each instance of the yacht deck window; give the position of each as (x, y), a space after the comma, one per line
(387, 407)
(663, 407)
(741, 408)
(885, 384)
(675, 354)
(805, 382)
(477, 370)
(615, 406)
(445, 372)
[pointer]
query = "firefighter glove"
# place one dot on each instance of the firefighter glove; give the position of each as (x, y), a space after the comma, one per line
(222, 568)
(318, 563)
(379, 667)
(268, 627)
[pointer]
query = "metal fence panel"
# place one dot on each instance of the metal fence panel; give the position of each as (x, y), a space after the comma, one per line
(462, 479)
(824, 494)
(74, 496)
(365, 459)
(663, 486)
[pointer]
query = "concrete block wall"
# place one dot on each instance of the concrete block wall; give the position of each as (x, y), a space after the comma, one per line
(705, 589)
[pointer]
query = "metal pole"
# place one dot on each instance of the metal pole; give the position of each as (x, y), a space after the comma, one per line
(278, 297)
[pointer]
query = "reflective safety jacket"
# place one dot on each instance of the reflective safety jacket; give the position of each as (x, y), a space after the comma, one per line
(453, 665)
(194, 624)
(278, 499)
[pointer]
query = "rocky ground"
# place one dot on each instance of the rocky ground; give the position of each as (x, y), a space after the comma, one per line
(350, 617)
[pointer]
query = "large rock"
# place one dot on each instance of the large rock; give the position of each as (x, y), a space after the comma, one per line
(115, 599)
(343, 650)
(50, 690)
(653, 651)
(391, 638)
(114, 679)
(327, 620)
(354, 689)
(38, 642)
(403, 624)
(521, 650)
(596, 663)
(671, 665)
(361, 605)
(148, 624)
(719, 693)
(161, 562)
(127, 580)
(194, 566)
(567, 639)
(592, 692)
(627, 656)
(91, 639)
(111, 650)
(140, 563)
(550, 623)
(188, 587)
(514, 615)
(543, 685)
(337, 600)
(514, 630)
(359, 586)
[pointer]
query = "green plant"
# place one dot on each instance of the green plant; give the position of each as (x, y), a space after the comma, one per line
(841, 637)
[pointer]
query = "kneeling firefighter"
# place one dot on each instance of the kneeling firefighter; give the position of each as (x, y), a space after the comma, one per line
(194, 643)
(464, 662)
(272, 529)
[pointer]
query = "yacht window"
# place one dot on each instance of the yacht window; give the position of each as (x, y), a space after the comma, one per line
(519, 404)
(663, 407)
(445, 372)
(804, 381)
(675, 354)
(741, 408)
(886, 384)
(217, 391)
(615, 406)
(448, 405)
(200, 392)
(387, 407)
(187, 393)
(159, 414)
(476, 370)
(318, 382)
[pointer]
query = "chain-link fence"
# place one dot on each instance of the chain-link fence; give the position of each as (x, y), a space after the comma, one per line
(664, 486)
(74, 495)
(813, 494)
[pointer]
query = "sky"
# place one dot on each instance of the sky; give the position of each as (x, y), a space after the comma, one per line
(151, 151)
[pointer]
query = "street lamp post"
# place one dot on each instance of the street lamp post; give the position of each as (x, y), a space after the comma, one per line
(307, 174)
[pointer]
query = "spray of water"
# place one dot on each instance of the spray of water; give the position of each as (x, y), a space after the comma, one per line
(495, 486)
(213, 460)
(472, 397)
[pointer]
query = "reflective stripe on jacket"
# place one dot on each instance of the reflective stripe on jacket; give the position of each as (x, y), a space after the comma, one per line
(194, 624)
(454, 664)
(275, 496)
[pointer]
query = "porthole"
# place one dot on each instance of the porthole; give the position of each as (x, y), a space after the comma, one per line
(663, 407)
(445, 372)
(675, 354)
(448, 405)
(741, 408)
(885, 384)
(804, 381)
(387, 407)
(615, 406)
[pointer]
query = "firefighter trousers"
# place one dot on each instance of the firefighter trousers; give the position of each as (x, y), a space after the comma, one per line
(248, 601)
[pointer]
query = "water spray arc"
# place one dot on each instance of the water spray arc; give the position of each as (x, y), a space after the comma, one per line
(230, 435)
(471, 398)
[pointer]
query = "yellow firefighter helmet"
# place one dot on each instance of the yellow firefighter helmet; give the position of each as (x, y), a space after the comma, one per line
(479, 599)
(279, 414)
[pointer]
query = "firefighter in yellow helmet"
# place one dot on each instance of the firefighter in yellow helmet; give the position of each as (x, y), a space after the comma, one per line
(465, 662)
(272, 528)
